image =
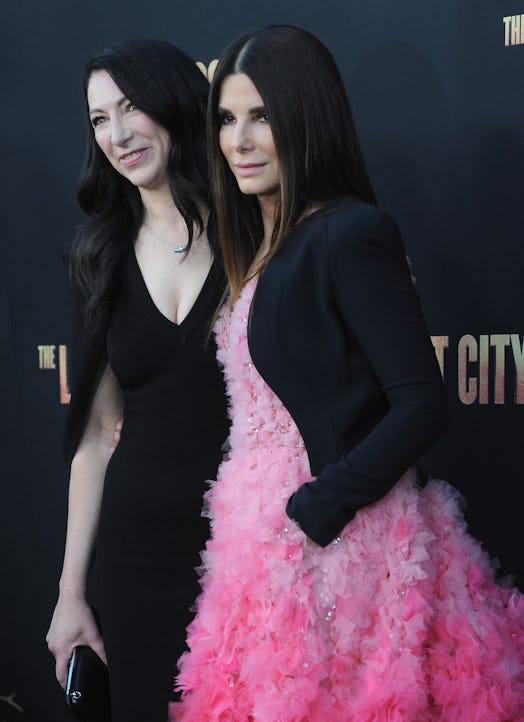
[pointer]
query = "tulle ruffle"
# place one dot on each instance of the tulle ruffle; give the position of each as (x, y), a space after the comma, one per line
(398, 620)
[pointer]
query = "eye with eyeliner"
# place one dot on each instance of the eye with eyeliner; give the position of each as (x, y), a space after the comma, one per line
(225, 118)
(126, 105)
(96, 120)
(262, 116)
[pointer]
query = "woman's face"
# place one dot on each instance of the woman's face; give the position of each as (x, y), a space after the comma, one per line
(135, 145)
(246, 140)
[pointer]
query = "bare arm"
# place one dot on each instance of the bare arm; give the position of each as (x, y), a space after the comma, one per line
(72, 622)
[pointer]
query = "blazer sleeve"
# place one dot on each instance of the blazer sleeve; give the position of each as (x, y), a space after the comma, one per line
(378, 304)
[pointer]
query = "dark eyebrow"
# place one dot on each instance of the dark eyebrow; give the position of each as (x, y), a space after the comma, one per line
(121, 101)
(252, 111)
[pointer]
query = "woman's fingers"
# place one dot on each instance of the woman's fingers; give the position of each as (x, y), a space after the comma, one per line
(116, 435)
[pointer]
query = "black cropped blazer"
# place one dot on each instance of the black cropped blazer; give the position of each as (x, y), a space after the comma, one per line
(336, 330)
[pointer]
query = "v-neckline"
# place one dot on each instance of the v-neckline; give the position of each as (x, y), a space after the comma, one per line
(174, 325)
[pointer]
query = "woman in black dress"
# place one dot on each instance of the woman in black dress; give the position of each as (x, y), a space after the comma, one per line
(146, 285)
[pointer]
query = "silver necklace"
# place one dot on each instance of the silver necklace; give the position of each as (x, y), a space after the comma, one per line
(177, 249)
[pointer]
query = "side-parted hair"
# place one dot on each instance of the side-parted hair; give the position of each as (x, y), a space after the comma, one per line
(163, 82)
(314, 134)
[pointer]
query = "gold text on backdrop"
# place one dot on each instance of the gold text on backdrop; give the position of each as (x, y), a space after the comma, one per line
(513, 29)
(47, 360)
(488, 367)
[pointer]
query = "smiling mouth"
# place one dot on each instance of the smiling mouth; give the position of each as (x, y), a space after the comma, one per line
(133, 156)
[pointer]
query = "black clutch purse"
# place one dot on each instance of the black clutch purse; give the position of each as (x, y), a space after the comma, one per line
(87, 691)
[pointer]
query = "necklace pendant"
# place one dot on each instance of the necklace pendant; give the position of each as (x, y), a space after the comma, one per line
(181, 248)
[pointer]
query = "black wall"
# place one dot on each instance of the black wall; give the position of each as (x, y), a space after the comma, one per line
(438, 100)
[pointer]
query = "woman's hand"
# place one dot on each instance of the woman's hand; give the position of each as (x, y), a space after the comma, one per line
(116, 435)
(72, 624)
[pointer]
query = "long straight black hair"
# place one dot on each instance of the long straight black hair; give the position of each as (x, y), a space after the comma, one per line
(163, 82)
(313, 130)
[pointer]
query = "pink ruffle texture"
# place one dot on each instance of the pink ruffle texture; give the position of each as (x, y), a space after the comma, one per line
(400, 619)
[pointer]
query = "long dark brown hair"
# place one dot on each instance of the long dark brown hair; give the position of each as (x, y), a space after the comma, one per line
(163, 82)
(313, 130)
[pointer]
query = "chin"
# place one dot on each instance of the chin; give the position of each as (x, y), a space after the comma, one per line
(252, 189)
(147, 181)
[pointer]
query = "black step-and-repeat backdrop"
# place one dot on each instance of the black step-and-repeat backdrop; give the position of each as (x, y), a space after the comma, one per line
(437, 93)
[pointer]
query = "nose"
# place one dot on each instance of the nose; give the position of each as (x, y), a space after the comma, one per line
(240, 138)
(121, 133)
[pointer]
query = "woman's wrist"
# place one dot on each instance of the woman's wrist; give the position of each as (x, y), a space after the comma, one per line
(72, 589)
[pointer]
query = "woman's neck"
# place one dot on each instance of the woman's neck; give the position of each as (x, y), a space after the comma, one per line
(160, 209)
(161, 217)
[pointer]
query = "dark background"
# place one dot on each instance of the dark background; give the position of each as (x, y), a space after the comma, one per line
(438, 101)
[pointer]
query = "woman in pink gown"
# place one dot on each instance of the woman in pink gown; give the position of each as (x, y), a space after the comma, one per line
(335, 587)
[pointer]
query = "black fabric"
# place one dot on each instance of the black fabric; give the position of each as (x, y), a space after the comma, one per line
(337, 331)
(151, 529)
(87, 360)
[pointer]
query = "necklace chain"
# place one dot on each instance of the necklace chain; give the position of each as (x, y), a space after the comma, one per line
(180, 248)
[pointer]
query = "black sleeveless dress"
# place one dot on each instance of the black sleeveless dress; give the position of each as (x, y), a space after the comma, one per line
(151, 529)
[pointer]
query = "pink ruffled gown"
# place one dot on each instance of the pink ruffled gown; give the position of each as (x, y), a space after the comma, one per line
(398, 620)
